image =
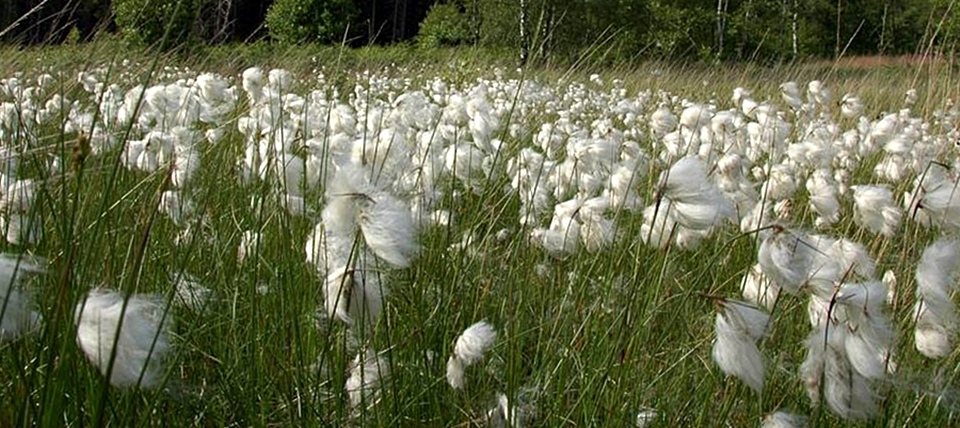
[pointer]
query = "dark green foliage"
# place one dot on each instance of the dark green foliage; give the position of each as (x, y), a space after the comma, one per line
(761, 30)
(943, 18)
(306, 21)
(681, 29)
(716, 30)
(566, 28)
(50, 21)
(163, 23)
(446, 24)
(90, 17)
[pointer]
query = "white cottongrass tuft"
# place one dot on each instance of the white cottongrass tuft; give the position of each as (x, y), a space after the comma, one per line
(785, 258)
(935, 199)
(780, 419)
(823, 197)
(16, 315)
(757, 289)
(791, 95)
(871, 333)
(840, 260)
(662, 121)
(696, 201)
(936, 315)
(179, 209)
(455, 371)
(576, 221)
(875, 209)
(850, 106)
(353, 291)
(354, 295)
(657, 227)
(470, 347)
(142, 341)
(890, 281)
(250, 244)
(646, 417)
(336, 294)
(367, 371)
(781, 183)
(474, 342)
(253, 83)
(735, 349)
(18, 219)
(758, 219)
(389, 230)
(827, 368)
(386, 223)
(507, 414)
(792, 259)
(327, 250)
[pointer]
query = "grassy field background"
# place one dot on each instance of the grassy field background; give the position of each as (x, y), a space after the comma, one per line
(593, 339)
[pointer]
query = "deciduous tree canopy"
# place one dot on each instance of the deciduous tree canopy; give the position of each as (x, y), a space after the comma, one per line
(721, 29)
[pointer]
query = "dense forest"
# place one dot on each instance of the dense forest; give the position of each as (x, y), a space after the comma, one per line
(764, 30)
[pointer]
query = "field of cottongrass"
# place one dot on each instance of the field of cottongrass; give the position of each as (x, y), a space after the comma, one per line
(454, 243)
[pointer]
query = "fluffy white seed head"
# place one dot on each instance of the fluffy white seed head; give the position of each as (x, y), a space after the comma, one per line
(474, 342)
(16, 314)
(781, 419)
(142, 341)
(935, 200)
(684, 179)
(932, 340)
(785, 258)
(702, 215)
(746, 319)
(793, 259)
(735, 350)
(253, 83)
(658, 226)
(840, 260)
(250, 244)
(388, 230)
(867, 296)
(868, 355)
(737, 354)
(823, 198)
(890, 281)
(507, 414)
(386, 222)
(847, 393)
(936, 316)
(367, 294)
(875, 210)
(936, 272)
(757, 289)
(367, 371)
(19, 223)
(646, 417)
(790, 93)
(455, 371)
(176, 206)
(662, 121)
(698, 201)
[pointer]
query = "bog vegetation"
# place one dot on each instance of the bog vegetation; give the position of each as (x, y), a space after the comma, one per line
(268, 234)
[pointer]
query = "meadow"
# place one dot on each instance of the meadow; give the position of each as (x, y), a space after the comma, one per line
(301, 236)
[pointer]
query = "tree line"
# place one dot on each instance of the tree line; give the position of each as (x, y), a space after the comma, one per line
(766, 30)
